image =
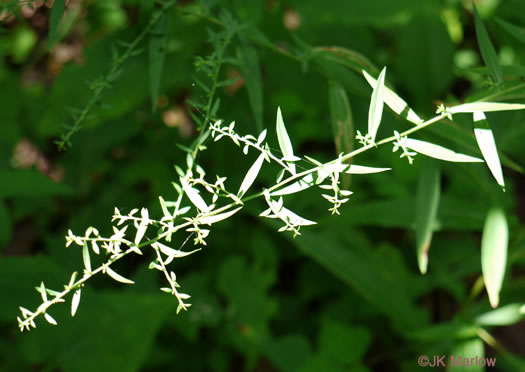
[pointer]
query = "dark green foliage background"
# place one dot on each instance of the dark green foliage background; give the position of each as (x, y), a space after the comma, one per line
(347, 294)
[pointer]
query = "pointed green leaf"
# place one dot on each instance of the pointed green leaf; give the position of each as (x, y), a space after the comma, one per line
(118, 277)
(503, 316)
(303, 184)
(427, 204)
(218, 217)
(170, 252)
(396, 103)
(341, 117)
(75, 301)
(249, 66)
(86, 257)
(467, 350)
(375, 111)
(487, 145)
(438, 152)
(488, 53)
(57, 11)
(485, 107)
(157, 53)
(251, 175)
(142, 226)
(194, 196)
(284, 141)
(50, 319)
(360, 169)
(516, 31)
(494, 253)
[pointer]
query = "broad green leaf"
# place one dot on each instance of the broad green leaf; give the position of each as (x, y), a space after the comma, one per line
(427, 204)
(487, 145)
(396, 103)
(284, 141)
(289, 352)
(360, 169)
(494, 252)
(218, 217)
(375, 111)
(488, 53)
(194, 196)
(516, 31)
(505, 315)
(75, 301)
(157, 53)
(464, 355)
(86, 257)
(485, 107)
(250, 70)
(303, 184)
(438, 152)
(57, 11)
(251, 175)
(341, 117)
(118, 277)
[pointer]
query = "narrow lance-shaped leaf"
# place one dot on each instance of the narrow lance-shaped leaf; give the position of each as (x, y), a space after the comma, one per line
(219, 217)
(57, 11)
(194, 196)
(300, 185)
(284, 140)
(157, 54)
(494, 252)
(438, 152)
(86, 257)
(249, 66)
(251, 175)
(142, 226)
(75, 301)
(118, 277)
(485, 107)
(427, 203)
(516, 31)
(505, 315)
(360, 169)
(50, 319)
(375, 111)
(396, 103)
(488, 53)
(487, 145)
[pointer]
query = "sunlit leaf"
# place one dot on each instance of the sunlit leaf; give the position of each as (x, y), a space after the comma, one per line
(218, 217)
(75, 301)
(251, 175)
(249, 66)
(494, 252)
(300, 185)
(360, 169)
(194, 196)
(488, 53)
(505, 315)
(427, 203)
(50, 319)
(142, 226)
(170, 252)
(487, 145)
(438, 152)
(118, 277)
(466, 350)
(57, 11)
(284, 141)
(485, 107)
(157, 53)
(396, 103)
(341, 118)
(86, 257)
(375, 111)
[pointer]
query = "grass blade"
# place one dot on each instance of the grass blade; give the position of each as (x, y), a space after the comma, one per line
(396, 103)
(427, 203)
(157, 53)
(438, 152)
(249, 66)
(494, 252)
(488, 53)
(487, 145)
(375, 111)
(251, 175)
(284, 140)
(57, 11)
